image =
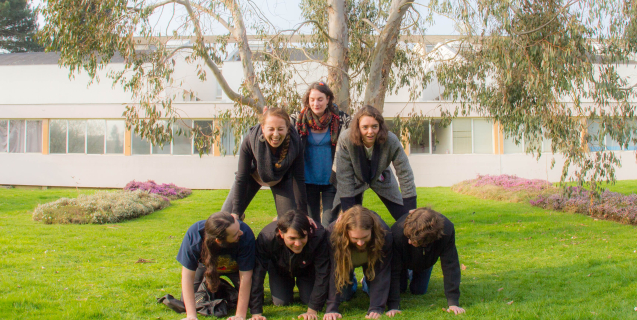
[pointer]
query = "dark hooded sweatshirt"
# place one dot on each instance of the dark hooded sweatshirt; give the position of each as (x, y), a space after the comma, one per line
(270, 248)
(407, 256)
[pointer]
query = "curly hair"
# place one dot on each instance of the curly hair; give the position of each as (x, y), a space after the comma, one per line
(369, 111)
(357, 217)
(281, 113)
(322, 88)
(214, 229)
(424, 226)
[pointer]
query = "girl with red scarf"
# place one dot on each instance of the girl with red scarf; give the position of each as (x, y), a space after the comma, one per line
(319, 124)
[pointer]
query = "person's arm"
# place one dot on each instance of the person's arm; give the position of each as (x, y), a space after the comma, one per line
(258, 276)
(245, 283)
(333, 297)
(379, 287)
(321, 278)
(346, 180)
(451, 270)
(404, 174)
(188, 291)
(242, 177)
(393, 301)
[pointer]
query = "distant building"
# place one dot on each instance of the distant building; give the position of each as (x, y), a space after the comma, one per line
(60, 132)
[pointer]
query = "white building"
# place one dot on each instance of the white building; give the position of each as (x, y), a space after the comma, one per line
(56, 131)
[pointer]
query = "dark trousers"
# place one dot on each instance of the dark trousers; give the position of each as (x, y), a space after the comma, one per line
(283, 193)
(199, 273)
(315, 195)
(282, 286)
(419, 280)
(396, 210)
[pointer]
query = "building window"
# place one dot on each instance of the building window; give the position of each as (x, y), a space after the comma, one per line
(462, 136)
(180, 144)
(227, 145)
(20, 136)
(86, 136)
(206, 129)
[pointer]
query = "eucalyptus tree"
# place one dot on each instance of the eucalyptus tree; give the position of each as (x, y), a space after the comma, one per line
(550, 69)
(361, 36)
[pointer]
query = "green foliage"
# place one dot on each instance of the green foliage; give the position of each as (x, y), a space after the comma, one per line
(512, 252)
(541, 68)
(100, 207)
(18, 25)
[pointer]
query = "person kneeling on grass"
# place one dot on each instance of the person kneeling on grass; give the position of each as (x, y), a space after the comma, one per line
(420, 238)
(221, 245)
(291, 250)
(360, 238)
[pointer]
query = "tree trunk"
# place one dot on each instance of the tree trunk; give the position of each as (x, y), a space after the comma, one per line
(239, 33)
(337, 77)
(383, 55)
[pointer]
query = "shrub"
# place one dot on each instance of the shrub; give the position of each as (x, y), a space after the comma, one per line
(169, 191)
(100, 207)
(609, 205)
(504, 188)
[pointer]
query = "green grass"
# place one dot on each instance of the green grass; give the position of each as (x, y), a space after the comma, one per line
(552, 265)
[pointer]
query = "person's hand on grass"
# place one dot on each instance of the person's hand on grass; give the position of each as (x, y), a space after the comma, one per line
(190, 318)
(372, 315)
(237, 318)
(392, 312)
(258, 317)
(455, 309)
(332, 316)
(309, 315)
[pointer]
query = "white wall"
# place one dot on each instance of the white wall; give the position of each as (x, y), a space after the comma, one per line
(114, 171)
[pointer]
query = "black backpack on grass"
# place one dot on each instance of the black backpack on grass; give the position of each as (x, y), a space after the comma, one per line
(206, 302)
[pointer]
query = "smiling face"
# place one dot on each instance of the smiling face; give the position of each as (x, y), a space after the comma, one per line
(233, 234)
(318, 102)
(359, 238)
(293, 240)
(274, 130)
(369, 128)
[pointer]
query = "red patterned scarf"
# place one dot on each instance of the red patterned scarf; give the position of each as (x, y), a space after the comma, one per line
(309, 120)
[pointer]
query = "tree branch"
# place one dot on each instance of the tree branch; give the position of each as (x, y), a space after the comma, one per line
(372, 24)
(215, 69)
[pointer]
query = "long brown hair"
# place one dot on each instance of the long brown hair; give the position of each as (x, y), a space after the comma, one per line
(322, 88)
(355, 131)
(215, 228)
(281, 113)
(357, 217)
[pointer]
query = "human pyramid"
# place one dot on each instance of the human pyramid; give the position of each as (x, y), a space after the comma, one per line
(318, 155)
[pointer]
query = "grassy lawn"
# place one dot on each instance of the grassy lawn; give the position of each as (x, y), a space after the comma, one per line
(521, 262)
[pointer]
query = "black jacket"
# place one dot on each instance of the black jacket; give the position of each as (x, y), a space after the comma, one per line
(270, 248)
(378, 288)
(407, 256)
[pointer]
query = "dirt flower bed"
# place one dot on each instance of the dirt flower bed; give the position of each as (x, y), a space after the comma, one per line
(609, 205)
(100, 207)
(504, 188)
(167, 190)
(540, 193)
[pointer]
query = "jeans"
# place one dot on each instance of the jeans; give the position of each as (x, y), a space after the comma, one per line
(317, 194)
(282, 286)
(419, 280)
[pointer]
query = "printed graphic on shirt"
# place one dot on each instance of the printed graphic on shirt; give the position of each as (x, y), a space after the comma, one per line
(225, 264)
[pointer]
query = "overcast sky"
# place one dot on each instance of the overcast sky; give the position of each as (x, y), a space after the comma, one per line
(283, 14)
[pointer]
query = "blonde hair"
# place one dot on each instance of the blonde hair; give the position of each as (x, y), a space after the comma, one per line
(357, 217)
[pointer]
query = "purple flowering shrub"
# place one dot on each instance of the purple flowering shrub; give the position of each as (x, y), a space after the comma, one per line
(167, 190)
(504, 187)
(610, 205)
